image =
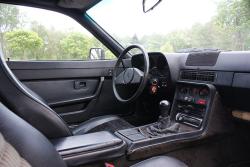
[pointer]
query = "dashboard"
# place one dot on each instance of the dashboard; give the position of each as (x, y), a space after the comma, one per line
(228, 71)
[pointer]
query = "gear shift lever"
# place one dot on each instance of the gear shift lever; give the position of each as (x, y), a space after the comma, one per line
(164, 125)
(164, 107)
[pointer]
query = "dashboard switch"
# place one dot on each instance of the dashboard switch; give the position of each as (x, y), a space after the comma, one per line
(201, 102)
(153, 89)
(188, 99)
(154, 82)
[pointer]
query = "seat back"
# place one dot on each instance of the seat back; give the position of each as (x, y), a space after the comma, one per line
(28, 105)
(32, 146)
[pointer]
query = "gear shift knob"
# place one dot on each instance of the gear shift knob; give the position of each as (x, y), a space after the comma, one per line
(164, 107)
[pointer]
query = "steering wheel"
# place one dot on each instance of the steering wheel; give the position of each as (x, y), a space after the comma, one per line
(130, 75)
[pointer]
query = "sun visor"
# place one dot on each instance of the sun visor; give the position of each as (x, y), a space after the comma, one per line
(78, 4)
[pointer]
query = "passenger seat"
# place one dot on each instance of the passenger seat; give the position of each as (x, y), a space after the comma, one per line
(21, 145)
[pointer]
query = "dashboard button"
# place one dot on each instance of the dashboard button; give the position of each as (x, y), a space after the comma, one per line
(201, 102)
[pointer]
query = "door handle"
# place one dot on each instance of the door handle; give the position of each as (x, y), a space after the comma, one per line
(80, 84)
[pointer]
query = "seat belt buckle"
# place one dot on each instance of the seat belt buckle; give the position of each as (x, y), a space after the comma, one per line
(108, 164)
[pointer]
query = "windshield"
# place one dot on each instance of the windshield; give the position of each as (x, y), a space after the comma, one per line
(175, 25)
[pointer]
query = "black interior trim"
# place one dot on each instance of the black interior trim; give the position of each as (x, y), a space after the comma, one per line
(48, 65)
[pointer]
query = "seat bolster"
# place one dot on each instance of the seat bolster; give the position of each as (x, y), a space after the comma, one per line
(162, 161)
(32, 146)
(28, 105)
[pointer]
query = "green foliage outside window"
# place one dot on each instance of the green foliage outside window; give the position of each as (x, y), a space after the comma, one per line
(23, 44)
(75, 46)
(38, 42)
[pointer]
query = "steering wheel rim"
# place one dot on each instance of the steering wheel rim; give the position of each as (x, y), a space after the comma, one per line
(143, 79)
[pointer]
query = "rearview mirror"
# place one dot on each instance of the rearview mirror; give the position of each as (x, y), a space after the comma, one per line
(96, 54)
(148, 5)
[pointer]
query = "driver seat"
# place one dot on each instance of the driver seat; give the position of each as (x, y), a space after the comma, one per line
(33, 109)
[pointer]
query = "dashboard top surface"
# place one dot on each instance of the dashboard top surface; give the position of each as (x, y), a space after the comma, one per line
(234, 61)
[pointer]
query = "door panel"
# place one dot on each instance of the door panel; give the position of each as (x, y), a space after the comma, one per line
(61, 92)
(76, 90)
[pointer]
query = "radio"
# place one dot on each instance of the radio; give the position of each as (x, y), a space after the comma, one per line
(191, 104)
(189, 120)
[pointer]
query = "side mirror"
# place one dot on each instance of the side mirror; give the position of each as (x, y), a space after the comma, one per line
(96, 54)
(148, 5)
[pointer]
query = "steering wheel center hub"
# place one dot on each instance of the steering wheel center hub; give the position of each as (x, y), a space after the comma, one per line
(128, 75)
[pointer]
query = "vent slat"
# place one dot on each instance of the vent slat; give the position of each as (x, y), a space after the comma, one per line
(208, 76)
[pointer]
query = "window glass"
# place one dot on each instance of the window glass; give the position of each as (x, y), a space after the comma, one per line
(177, 25)
(28, 33)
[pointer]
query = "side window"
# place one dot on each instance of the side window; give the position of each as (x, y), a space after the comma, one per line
(28, 33)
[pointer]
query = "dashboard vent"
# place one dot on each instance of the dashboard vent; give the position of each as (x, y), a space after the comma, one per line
(208, 76)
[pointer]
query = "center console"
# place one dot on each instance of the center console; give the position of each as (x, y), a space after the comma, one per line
(196, 113)
(187, 119)
(191, 104)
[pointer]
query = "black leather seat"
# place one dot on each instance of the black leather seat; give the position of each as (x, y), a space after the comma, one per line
(107, 123)
(160, 161)
(38, 151)
(33, 109)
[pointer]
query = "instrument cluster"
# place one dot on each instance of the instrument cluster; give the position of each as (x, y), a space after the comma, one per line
(157, 62)
(159, 73)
